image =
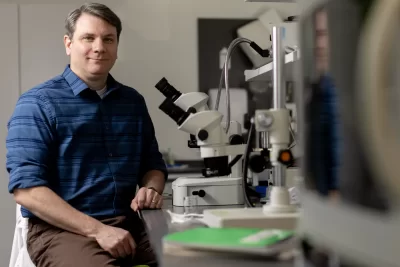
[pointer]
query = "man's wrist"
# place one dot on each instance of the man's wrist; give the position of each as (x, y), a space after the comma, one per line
(152, 188)
(93, 228)
(154, 179)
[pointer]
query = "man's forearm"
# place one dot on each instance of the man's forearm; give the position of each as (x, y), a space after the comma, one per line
(48, 206)
(155, 179)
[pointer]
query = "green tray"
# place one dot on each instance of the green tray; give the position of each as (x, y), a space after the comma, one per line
(245, 240)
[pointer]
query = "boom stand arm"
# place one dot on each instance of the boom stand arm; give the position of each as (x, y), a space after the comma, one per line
(276, 122)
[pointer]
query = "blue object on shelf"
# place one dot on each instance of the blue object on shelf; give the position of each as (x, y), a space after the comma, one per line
(262, 190)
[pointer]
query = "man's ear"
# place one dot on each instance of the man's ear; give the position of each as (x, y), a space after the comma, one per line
(67, 43)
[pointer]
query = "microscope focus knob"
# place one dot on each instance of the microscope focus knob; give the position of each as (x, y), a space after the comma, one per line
(200, 193)
(202, 135)
(265, 120)
(257, 164)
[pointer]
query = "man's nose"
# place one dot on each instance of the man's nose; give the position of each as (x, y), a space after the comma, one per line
(98, 46)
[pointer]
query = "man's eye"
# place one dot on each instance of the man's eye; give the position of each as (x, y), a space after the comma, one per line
(109, 40)
(88, 38)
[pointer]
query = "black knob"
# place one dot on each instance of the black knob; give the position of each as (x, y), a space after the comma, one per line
(200, 193)
(191, 110)
(265, 153)
(202, 135)
(257, 164)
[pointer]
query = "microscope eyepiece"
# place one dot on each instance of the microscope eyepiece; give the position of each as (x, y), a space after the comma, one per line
(173, 111)
(168, 90)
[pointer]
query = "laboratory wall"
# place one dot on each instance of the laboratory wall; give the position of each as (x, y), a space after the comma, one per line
(159, 38)
(9, 84)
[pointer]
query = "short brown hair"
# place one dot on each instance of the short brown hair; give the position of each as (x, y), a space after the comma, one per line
(94, 9)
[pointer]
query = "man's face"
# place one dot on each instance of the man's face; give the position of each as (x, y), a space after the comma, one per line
(93, 48)
(322, 40)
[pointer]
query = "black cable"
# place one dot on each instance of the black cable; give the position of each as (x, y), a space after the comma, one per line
(245, 167)
(234, 161)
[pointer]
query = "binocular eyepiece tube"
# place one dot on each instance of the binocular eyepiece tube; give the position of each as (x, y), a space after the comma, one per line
(168, 90)
(173, 111)
(168, 106)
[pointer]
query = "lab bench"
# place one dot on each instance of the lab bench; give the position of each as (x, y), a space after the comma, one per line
(158, 224)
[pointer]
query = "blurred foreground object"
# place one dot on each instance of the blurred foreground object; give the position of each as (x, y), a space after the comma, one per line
(349, 134)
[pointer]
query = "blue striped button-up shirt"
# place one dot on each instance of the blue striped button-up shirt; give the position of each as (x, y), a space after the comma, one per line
(91, 151)
(324, 143)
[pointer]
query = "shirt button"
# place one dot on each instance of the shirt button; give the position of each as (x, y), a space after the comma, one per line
(110, 154)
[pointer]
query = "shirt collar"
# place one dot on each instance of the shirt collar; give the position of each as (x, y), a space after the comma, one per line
(77, 85)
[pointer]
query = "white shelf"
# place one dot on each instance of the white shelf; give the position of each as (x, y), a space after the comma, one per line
(264, 73)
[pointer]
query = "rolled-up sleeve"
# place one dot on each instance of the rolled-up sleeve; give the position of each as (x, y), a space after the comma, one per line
(29, 142)
(151, 157)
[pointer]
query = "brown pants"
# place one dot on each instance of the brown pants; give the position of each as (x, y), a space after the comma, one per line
(49, 246)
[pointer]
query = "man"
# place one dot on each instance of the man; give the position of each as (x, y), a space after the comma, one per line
(78, 146)
(324, 140)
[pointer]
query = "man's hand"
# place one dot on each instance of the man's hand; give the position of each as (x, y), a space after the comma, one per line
(147, 198)
(118, 242)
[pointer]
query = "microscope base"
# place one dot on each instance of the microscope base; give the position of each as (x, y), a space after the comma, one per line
(251, 218)
(216, 191)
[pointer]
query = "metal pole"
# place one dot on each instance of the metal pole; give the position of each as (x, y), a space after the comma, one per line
(279, 89)
(279, 94)
(264, 140)
(257, 142)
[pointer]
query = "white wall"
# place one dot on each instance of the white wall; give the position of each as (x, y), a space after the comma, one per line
(9, 88)
(159, 39)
